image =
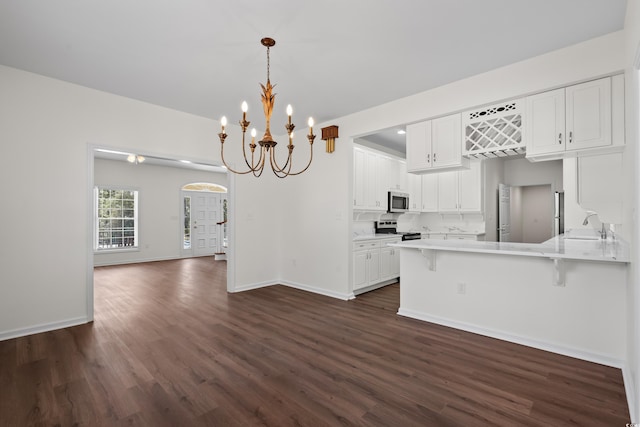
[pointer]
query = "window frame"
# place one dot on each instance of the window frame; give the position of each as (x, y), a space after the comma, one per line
(136, 214)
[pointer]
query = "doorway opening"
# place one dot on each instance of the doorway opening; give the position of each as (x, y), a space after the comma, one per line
(526, 213)
(160, 181)
(204, 220)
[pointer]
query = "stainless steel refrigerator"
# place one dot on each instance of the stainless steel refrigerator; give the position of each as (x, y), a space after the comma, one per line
(558, 214)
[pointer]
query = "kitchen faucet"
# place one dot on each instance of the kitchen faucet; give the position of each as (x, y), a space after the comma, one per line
(589, 214)
(603, 231)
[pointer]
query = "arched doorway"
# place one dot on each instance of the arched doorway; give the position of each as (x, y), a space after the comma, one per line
(204, 220)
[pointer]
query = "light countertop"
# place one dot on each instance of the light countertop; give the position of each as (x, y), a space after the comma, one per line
(457, 232)
(432, 232)
(557, 247)
(453, 233)
(376, 236)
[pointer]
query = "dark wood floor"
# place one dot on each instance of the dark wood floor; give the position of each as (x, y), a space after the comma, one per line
(169, 347)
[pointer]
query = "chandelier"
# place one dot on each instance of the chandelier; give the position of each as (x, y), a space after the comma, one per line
(267, 144)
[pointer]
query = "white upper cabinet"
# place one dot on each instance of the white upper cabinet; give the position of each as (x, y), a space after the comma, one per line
(397, 175)
(383, 175)
(589, 115)
(435, 145)
(446, 141)
(448, 191)
(470, 188)
(429, 192)
(418, 146)
(573, 120)
(415, 192)
(545, 123)
(461, 191)
(365, 183)
(374, 175)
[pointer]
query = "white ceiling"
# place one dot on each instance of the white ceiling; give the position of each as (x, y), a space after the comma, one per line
(332, 57)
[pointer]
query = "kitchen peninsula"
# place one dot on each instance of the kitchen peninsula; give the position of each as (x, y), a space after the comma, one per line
(566, 296)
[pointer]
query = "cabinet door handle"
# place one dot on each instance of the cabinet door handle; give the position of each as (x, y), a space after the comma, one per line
(560, 138)
(428, 158)
(434, 157)
(570, 137)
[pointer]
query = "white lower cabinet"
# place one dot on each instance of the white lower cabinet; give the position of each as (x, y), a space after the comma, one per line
(389, 262)
(374, 262)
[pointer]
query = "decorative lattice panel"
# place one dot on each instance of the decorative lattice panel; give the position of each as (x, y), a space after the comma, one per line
(494, 131)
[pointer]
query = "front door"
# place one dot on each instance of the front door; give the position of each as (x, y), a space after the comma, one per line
(206, 212)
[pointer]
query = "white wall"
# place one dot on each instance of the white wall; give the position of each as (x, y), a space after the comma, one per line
(537, 213)
(521, 172)
(316, 221)
(631, 200)
(494, 174)
(159, 207)
(516, 214)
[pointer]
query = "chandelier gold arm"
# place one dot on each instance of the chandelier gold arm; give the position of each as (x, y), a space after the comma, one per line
(277, 169)
(252, 167)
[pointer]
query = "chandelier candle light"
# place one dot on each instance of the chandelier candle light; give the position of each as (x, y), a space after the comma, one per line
(267, 144)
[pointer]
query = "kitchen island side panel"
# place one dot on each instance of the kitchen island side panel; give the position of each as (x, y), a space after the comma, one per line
(513, 298)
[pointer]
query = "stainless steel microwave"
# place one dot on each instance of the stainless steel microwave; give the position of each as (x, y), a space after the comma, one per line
(397, 202)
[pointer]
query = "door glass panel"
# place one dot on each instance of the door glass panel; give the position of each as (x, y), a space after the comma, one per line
(186, 240)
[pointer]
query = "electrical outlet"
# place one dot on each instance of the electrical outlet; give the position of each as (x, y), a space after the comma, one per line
(462, 288)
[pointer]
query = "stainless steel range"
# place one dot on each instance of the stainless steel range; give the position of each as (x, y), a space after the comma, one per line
(389, 226)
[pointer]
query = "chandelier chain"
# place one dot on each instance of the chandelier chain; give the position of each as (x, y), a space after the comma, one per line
(268, 63)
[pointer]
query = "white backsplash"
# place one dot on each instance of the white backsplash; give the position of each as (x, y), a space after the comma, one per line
(363, 228)
(426, 222)
(439, 222)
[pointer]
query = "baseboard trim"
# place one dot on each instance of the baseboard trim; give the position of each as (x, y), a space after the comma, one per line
(374, 287)
(629, 388)
(45, 327)
(294, 285)
(252, 286)
(517, 339)
(319, 291)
